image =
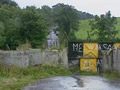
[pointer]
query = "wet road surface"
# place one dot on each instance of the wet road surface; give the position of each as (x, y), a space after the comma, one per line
(75, 83)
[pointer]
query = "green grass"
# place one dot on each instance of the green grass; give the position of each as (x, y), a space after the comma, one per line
(90, 73)
(14, 78)
(112, 75)
(84, 27)
(118, 27)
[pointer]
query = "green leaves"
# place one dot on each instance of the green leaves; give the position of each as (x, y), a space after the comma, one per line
(17, 26)
(8, 2)
(9, 25)
(33, 27)
(104, 28)
(67, 18)
(48, 14)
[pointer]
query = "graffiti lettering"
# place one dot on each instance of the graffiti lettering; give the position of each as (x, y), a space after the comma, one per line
(105, 46)
(77, 47)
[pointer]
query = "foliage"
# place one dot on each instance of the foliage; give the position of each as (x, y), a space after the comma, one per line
(48, 14)
(2, 38)
(9, 18)
(9, 2)
(85, 16)
(77, 70)
(33, 27)
(88, 73)
(84, 27)
(111, 75)
(25, 46)
(104, 27)
(17, 26)
(67, 18)
(14, 78)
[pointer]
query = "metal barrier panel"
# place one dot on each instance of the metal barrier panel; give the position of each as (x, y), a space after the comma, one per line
(116, 45)
(88, 65)
(90, 50)
(75, 50)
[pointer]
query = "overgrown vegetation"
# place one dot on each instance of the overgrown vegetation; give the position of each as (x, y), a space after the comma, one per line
(19, 26)
(67, 18)
(88, 73)
(84, 28)
(111, 75)
(14, 78)
(104, 27)
(77, 70)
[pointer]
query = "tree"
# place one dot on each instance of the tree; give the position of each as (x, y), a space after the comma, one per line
(48, 14)
(9, 24)
(85, 16)
(9, 2)
(33, 27)
(67, 18)
(104, 27)
(18, 26)
(2, 38)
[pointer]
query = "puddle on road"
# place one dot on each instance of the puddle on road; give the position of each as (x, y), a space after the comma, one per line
(98, 83)
(75, 83)
(79, 81)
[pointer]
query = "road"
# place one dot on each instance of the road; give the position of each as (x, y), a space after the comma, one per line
(75, 83)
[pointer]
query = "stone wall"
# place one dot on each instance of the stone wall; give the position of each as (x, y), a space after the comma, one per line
(34, 57)
(111, 60)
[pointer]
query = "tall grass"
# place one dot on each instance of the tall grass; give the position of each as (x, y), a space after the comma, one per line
(111, 75)
(14, 78)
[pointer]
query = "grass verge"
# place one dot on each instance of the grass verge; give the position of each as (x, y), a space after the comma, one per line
(112, 75)
(88, 73)
(14, 78)
(78, 71)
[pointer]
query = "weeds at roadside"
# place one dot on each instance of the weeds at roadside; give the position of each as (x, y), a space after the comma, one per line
(78, 71)
(14, 78)
(113, 75)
